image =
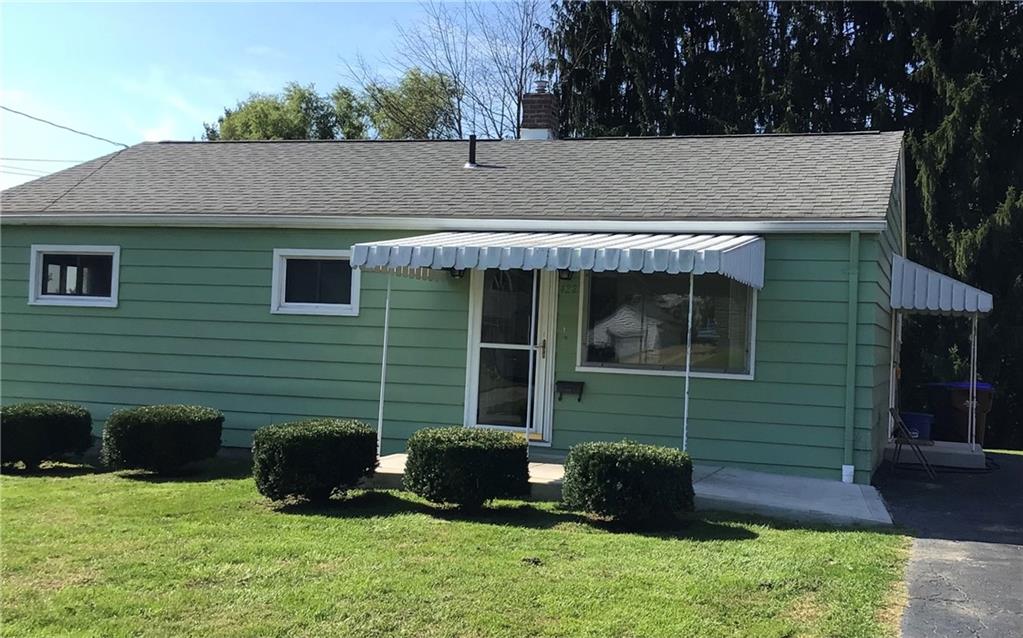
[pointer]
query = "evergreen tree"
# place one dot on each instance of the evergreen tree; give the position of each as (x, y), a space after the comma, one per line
(950, 74)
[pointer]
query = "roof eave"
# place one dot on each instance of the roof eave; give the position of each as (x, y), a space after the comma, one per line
(865, 224)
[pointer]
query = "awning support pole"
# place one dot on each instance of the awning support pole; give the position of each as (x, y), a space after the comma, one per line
(383, 367)
(531, 405)
(689, 357)
(973, 385)
(893, 376)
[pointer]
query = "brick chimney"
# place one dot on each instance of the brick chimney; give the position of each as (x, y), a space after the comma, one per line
(539, 114)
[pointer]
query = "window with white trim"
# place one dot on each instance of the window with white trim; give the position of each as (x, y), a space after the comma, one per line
(314, 282)
(70, 275)
(637, 322)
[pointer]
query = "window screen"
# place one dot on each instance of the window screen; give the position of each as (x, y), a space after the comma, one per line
(319, 281)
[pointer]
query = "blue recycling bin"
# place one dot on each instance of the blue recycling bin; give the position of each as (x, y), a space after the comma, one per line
(919, 424)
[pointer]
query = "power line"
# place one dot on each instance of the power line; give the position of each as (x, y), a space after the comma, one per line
(66, 128)
(39, 159)
(19, 174)
(23, 168)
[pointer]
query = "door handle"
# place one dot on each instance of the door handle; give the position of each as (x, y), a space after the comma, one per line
(543, 349)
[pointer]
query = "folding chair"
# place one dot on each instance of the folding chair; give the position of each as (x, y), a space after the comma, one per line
(903, 437)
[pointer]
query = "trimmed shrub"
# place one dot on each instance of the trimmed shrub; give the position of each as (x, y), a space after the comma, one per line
(313, 458)
(161, 438)
(628, 482)
(466, 466)
(33, 432)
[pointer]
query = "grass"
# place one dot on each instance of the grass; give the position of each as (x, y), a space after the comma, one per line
(1013, 452)
(100, 554)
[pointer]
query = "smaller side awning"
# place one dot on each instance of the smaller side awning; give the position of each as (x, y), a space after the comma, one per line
(739, 257)
(916, 288)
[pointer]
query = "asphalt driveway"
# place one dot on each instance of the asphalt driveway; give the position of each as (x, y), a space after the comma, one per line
(965, 573)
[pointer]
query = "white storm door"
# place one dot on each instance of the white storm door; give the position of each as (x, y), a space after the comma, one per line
(510, 368)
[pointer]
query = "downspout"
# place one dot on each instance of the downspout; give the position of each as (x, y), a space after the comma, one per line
(848, 468)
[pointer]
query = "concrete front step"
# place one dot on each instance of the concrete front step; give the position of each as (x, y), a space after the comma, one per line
(941, 454)
(721, 488)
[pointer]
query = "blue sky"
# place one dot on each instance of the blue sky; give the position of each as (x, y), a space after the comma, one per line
(134, 72)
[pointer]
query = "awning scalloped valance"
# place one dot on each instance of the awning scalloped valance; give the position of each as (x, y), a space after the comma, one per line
(739, 257)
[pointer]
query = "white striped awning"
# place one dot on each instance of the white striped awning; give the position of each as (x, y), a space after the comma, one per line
(740, 257)
(920, 289)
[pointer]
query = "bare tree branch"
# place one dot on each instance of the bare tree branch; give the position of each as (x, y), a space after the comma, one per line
(489, 52)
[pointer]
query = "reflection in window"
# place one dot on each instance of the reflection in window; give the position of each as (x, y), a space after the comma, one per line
(507, 304)
(636, 320)
(320, 281)
(77, 275)
(503, 387)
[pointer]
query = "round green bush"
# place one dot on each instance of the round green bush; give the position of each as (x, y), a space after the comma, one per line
(161, 438)
(466, 466)
(313, 458)
(34, 432)
(628, 482)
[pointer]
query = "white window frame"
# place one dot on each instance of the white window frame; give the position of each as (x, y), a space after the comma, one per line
(584, 291)
(280, 307)
(36, 297)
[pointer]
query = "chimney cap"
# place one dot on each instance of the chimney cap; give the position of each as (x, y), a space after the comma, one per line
(540, 85)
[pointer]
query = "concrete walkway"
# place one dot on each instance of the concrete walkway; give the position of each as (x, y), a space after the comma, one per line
(721, 488)
(965, 574)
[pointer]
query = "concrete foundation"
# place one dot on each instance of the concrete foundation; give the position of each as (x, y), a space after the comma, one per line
(940, 453)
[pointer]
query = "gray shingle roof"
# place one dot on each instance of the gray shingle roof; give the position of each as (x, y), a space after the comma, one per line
(778, 177)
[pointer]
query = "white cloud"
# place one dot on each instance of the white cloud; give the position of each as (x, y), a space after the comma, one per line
(157, 88)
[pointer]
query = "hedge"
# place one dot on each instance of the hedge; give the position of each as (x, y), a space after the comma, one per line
(628, 482)
(34, 432)
(161, 438)
(466, 466)
(312, 459)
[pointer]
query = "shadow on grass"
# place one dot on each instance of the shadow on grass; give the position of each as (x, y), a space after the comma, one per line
(53, 469)
(374, 504)
(215, 469)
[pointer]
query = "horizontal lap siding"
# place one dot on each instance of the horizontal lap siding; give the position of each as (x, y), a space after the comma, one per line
(193, 325)
(886, 244)
(790, 418)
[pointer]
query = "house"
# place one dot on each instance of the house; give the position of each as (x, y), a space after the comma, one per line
(731, 295)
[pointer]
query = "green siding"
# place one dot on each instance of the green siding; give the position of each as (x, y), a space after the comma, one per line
(790, 417)
(194, 325)
(888, 243)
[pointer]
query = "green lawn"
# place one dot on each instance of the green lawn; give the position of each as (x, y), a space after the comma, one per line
(1013, 452)
(92, 554)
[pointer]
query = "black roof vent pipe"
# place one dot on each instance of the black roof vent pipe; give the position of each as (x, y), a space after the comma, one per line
(472, 152)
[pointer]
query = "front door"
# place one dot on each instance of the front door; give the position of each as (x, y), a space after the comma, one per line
(510, 372)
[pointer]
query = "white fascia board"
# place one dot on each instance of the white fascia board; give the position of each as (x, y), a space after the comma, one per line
(737, 226)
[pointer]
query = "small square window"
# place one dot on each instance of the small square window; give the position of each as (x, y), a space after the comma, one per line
(314, 283)
(74, 275)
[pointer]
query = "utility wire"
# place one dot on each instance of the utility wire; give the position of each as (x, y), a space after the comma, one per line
(19, 174)
(39, 159)
(66, 128)
(9, 167)
(109, 159)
